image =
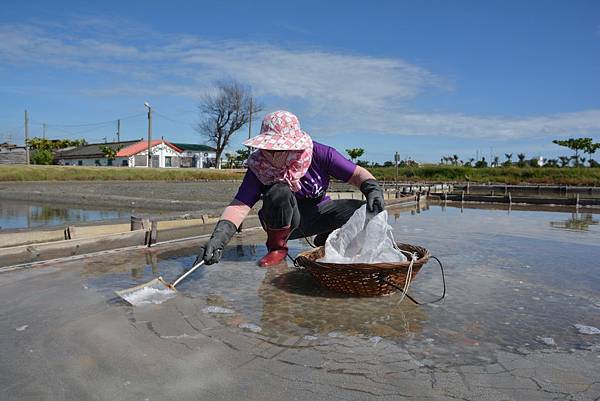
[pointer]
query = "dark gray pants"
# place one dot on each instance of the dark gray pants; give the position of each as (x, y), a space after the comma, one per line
(306, 217)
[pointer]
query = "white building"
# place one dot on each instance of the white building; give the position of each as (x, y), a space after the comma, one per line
(197, 156)
(164, 154)
(135, 154)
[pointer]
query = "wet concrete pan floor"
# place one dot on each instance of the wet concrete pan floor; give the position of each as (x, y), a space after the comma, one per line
(522, 288)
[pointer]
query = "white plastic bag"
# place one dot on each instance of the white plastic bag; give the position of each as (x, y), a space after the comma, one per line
(356, 243)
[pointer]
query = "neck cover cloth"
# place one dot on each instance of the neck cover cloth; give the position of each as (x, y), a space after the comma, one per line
(282, 166)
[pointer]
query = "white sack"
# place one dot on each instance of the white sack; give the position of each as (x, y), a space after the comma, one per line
(355, 243)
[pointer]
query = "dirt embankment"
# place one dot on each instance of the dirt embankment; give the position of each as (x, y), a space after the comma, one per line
(154, 195)
(207, 196)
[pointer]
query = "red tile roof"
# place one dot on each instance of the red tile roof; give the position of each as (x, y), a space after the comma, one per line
(143, 145)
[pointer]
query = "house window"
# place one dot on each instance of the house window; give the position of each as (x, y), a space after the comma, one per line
(80, 162)
(125, 163)
(168, 162)
(109, 162)
(97, 162)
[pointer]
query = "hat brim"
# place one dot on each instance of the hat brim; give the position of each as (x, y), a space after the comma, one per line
(279, 142)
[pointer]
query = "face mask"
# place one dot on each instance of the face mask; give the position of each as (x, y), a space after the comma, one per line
(276, 158)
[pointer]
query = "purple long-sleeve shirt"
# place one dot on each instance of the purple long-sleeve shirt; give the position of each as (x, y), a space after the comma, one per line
(326, 162)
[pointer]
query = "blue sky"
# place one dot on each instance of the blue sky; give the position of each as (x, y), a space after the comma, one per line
(424, 78)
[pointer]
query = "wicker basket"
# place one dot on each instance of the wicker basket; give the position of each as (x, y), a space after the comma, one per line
(363, 279)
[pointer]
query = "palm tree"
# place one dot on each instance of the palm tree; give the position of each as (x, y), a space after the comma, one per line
(564, 161)
(355, 153)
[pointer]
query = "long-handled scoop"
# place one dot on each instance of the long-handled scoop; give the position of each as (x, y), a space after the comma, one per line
(155, 291)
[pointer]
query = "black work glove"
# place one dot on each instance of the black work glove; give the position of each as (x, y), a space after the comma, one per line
(374, 195)
(211, 251)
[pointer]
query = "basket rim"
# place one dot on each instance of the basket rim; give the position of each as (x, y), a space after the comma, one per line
(304, 259)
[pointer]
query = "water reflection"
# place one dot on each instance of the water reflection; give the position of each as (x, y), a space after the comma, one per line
(577, 222)
(293, 302)
(25, 215)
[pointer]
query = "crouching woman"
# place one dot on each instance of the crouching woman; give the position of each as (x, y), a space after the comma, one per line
(291, 173)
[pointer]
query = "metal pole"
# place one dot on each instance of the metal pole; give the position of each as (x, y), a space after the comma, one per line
(26, 138)
(118, 130)
(149, 135)
(250, 120)
(44, 131)
(396, 160)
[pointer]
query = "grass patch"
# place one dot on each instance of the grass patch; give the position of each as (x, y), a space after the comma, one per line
(503, 175)
(75, 173)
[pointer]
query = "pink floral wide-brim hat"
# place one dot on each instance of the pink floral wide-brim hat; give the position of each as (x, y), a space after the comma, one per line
(280, 130)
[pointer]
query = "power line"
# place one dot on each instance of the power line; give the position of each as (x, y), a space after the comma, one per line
(80, 132)
(171, 119)
(91, 124)
(12, 130)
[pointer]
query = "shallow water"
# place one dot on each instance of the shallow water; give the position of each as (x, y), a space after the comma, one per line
(21, 214)
(517, 281)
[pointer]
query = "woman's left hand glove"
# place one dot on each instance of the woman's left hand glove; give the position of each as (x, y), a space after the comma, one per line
(374, 195)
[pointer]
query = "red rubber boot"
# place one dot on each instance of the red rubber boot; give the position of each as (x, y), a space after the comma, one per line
(277, 246)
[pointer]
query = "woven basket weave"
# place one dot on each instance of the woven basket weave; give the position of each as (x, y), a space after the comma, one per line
(362, 279)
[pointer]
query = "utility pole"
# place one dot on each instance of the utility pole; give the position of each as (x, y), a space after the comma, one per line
(149, 134)
(118, 130)
(250, 120)
(26, 138)
(250, 127)
(397, 161)
(44, 131)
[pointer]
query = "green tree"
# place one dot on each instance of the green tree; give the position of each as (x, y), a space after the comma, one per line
(521, 162)
(564, 161)
(42, 156)
(42, 148)
(110, 153)
(37, 143)
(481, 163)
(590, 150)
(231, 159)
(355, 153)
(576, 145)
(508, 161)
(242, 155)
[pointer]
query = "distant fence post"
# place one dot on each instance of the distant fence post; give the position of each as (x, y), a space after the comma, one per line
(136, 223)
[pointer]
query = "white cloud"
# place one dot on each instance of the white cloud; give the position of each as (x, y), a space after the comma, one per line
(406, 123)
(333, 92)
